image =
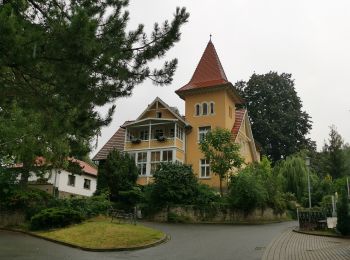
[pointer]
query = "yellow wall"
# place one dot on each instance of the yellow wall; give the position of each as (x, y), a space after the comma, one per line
(220, 119)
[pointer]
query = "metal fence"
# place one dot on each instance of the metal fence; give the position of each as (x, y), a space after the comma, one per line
(313, 219)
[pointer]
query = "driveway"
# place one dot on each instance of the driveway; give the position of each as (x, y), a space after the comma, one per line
(187, 242)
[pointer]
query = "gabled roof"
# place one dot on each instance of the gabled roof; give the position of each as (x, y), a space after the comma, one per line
(209, 71)
(241, 117)
(85, 167)
(115, 142)
(171, 110)
(238, 122)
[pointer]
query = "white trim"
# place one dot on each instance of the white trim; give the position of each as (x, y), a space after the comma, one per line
(157, 99)
(200, 170)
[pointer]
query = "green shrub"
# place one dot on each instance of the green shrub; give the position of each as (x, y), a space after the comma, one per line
(246, 191)
(87, 206)
(118, 173)
(174, 184)
(54, 218)
(205, 196)
(343, 224)
(175, 218)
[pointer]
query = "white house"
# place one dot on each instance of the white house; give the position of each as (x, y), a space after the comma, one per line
(62, 183)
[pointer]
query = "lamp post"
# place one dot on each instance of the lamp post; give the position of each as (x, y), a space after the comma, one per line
(307, 163)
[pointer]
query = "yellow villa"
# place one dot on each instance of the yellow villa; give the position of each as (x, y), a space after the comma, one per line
(161, 134)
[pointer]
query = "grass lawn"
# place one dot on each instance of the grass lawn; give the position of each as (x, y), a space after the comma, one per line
(100, 233)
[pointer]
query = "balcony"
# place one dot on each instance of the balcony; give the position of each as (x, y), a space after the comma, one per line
(154, 133)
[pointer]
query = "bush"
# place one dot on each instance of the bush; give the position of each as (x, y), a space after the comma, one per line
(88, 206)
(205, 196)
(343, 225)
(246, 191)
(118, 173)
(175, 218)
(55, 218)
(174, 184)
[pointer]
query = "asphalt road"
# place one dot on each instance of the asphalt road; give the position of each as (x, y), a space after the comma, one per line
(187, 242)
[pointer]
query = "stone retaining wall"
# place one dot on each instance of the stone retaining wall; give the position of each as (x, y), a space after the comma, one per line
(11, 218)
(223, 215)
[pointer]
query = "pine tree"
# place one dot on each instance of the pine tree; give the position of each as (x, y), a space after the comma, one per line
(60, 60)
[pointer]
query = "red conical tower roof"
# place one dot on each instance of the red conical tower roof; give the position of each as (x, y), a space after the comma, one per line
(209, 71)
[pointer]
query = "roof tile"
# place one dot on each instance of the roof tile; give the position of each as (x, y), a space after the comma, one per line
(209, 71)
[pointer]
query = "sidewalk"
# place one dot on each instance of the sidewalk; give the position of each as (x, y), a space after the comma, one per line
(292, 245)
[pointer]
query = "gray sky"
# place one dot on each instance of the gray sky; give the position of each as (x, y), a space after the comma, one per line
(309, 39)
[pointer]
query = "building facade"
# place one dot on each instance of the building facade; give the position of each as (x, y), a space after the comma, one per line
(161, 134)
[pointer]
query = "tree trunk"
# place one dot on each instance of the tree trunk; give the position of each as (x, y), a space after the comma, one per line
(221, 193)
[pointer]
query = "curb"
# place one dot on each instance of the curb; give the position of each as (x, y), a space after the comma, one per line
(164, 239)
(320, 235)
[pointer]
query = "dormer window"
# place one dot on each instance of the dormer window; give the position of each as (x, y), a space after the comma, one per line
(198, 110)
(204, 109)
(159, 114)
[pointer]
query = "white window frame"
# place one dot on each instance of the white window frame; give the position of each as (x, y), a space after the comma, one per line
(207, 108)
(142, 164)
(212, 108)
(203, 130)
(74, 179)
(180, 133)
(89, 181)
(144, 134)
(206, 166)
(199, 109)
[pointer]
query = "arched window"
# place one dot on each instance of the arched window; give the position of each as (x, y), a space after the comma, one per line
(204, 109)
(212, 108)
(198, 110)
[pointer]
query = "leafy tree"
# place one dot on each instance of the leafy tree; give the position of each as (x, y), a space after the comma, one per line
(247, 191)
(174, 184)
(222, 152)
(59, 60)
(343, 223)
(278, 122)
(334, 153)
(294, 172)
(117, 174)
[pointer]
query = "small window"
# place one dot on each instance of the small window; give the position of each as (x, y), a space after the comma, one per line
(71, 180)
(180, 133)
(158, 133)
(211, 107)
(202, 132)
(155, 161)
(87, 184)
(172, 133)
(167, 156)
(144, 135)
(159, 114)
(204, 168)
(204, 109)
(198, 110)
(142, 162)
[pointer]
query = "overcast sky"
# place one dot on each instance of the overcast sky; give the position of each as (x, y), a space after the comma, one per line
(309, 39)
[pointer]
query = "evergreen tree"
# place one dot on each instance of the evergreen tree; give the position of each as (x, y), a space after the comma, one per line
(334, 153)
(343, 222)
(278, 122)
(118, 173)
(59, 60)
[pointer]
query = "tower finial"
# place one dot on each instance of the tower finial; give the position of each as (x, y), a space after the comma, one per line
(210, 37)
